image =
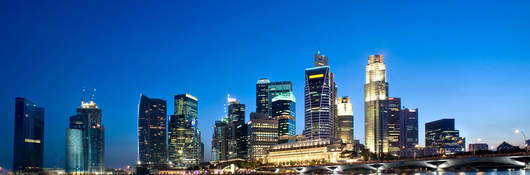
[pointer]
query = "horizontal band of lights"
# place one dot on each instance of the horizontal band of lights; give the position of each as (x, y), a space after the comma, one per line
(316, 76)
(31, 141)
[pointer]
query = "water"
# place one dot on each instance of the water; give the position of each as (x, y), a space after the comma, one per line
(492, 172)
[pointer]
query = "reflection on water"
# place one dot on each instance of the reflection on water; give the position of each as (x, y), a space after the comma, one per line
(492, 172)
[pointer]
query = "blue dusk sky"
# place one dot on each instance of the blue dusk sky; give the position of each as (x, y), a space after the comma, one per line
(464, 60)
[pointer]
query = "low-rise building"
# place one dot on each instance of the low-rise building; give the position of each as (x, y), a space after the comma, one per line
(478, 147)
(305, 152)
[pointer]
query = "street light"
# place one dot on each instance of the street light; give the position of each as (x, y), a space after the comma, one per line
(517, 131)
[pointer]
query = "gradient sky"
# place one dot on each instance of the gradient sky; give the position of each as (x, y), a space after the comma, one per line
(464, 60)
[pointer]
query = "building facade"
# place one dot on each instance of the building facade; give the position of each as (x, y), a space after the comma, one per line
(319, 98)
(394, 127)
(263, 133)
(262, 96)
(184, 149)
(29, 136)
(219, 140)
(442, 138)
(478, 147)
(305, 152)
(284, 111)
(345, 119)
(237, 131)
(87, 126)
(152, 117)
(409, 131)
(375, 106)
(275, 89)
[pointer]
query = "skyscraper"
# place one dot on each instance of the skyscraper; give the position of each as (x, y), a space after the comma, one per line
(263, 133)
(152, 115)
(375, 107)
(284, 111)
(219, 140)
(29, 136)
(275, 89)
(409, 131)
(87, 133)
(262, 96)
(442, 138)
(345, 120)
(319, 100)
(237, 136)
(184, 134)
(394, 129)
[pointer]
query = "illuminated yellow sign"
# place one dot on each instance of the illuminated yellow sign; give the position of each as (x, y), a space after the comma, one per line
(31, 141)
(316, 76)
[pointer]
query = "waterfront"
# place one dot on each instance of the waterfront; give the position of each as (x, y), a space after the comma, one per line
(489, 172)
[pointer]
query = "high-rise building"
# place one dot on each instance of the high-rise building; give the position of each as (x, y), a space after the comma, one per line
(442, 138)
(284, 111)
(219, 140)
(262, 96)
(152, 117)
(184, 148)
(237, 134)
(320, 96)
(409, 131)
(375, 106)
(263, 133)
(345, 119)
(87, 133)
(275, 89)
(394, 128)
(29, 136)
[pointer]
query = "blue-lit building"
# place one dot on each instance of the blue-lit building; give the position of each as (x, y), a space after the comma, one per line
(284, 111)
(29, 136)
(184, 137)
(89, 158)
(320, 96)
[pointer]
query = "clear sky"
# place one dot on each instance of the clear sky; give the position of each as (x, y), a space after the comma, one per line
(464, 60)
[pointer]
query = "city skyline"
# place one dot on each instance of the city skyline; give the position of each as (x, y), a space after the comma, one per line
(474, 90)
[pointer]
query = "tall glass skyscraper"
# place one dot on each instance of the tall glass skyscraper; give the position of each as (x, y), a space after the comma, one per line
(320, 96)
(237, 131)
(409, 131)
(275, 89)
(394, 128)
(87, 133)
(345, 120)
(442, 138)
(219, 140)
(29, 136)
(262, 96)
(152, 116)
(375, 106)
(284, 111)
(184, 134)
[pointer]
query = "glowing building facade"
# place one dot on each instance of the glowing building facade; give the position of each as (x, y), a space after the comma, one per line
(284, 111)
(237, 131)
(262, 96)
(152, 117)
(442, 138)
(375, 106)
(263, 133)
(89, 159)
(319, 98)
(29, 136)
(305, 152)
(184, 136)
(345, 120)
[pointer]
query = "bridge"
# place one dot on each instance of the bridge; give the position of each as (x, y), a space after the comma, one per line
(485, 161)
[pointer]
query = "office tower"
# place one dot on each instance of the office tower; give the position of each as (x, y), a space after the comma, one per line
(263, 133)
(262, 96)
(219, 141)
(319, 100)
(184, 134)
(275, 89)
(152, 116)
(375, 108)
(442, 138)
(409, 131)
(284, 111)
(29, 136)
(345, 120)
(394, 129)
(89, 158)
(237, 136)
